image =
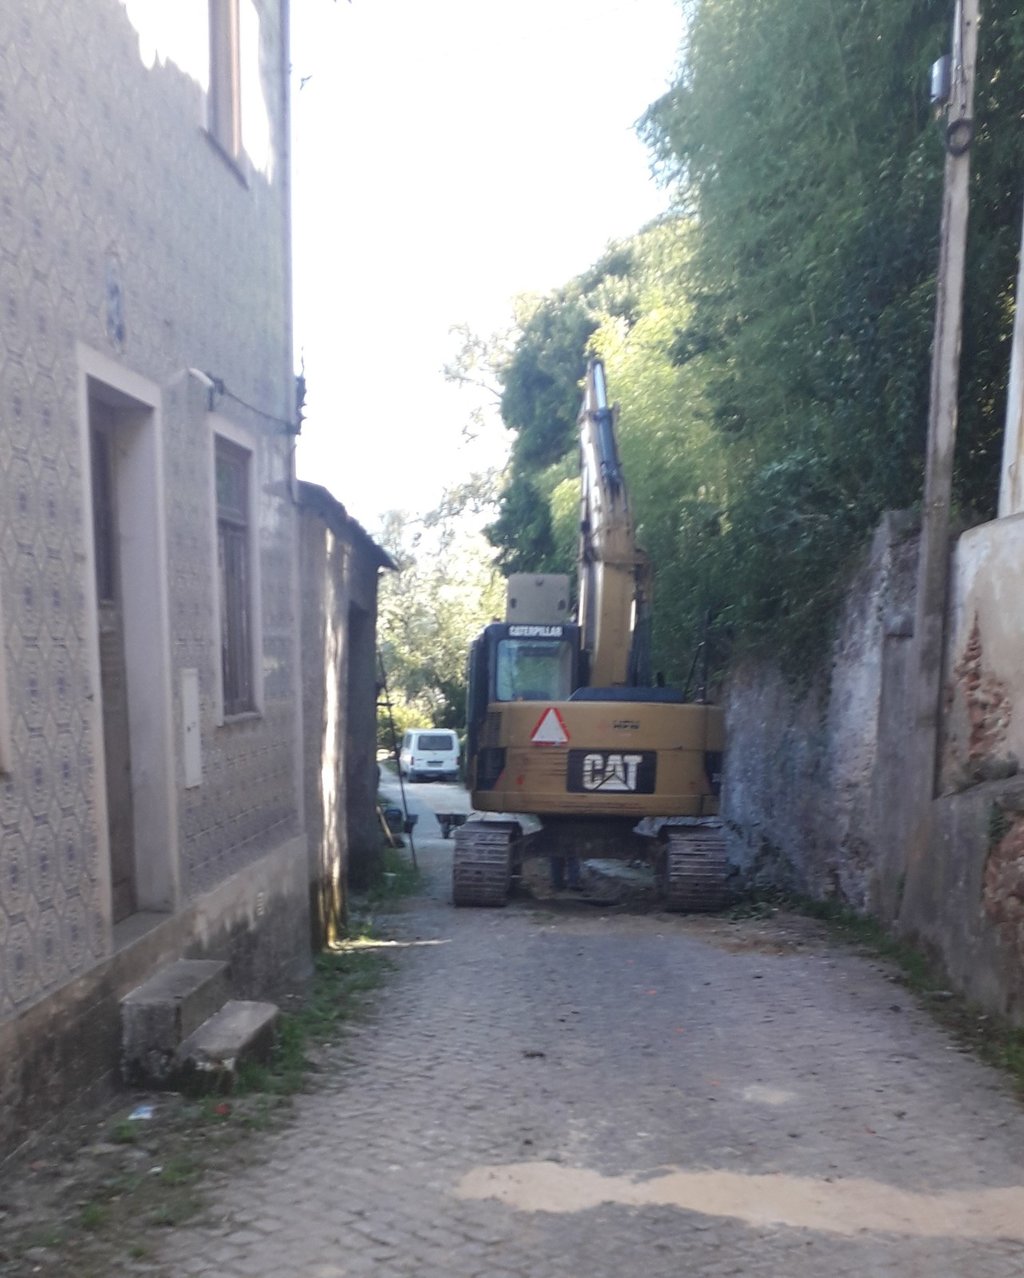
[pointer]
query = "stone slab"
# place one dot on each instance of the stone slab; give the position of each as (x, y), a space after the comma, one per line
(163, 1011)
(619, 882)
(240, 1030)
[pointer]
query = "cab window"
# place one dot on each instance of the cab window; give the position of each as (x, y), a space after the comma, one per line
(533, 670)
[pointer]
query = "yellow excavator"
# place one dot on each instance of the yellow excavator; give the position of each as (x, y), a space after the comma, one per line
(564, 726)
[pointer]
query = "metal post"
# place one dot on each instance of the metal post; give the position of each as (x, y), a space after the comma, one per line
(394, 753)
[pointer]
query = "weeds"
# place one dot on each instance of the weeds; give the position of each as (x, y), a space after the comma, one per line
(999, 825)
(50, 1237)
(93, 1216)
(183, 1169)
(990, 1037)
(342, 978)
(174, 1210)
(917, 971)
(398, 877)
(124, 1133)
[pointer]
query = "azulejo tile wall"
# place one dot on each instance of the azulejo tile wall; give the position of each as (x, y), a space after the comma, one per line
(123, 228)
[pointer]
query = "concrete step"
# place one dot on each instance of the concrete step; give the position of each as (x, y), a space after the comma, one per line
(209, 1058)
(157, 1016)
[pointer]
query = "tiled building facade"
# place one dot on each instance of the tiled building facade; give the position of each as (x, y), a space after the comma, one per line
(151, 790)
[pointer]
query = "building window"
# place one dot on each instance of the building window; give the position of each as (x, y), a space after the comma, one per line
(225, 122)
(103, 518)
(235, 576)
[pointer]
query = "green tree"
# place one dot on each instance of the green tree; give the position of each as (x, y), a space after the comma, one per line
(815, 186)
(539, 374)
(770, 345)
(445, 590)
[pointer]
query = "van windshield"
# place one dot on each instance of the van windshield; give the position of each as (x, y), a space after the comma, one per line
(432, 741)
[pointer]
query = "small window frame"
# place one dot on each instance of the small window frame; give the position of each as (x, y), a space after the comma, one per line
(238, 642)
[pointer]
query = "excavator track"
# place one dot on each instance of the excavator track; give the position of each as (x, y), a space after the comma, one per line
(482, 862)
(695, 871)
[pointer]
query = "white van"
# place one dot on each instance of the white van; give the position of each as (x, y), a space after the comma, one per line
(429, 752)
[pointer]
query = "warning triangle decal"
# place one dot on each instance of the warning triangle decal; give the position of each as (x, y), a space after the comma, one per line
(550, 729)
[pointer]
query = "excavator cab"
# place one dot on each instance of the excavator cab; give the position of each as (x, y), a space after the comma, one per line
(511, 662)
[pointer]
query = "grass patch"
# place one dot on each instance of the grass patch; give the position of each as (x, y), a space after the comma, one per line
(183, 1169)
(999, 825)
(175, 1209)
(117, 1186)
(124, 1133)
(51, 1237)
(396, 878)
(93, 1216)
(342, 979)
(917, 971)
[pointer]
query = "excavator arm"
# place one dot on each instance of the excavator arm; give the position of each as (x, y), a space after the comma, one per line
(614, 573)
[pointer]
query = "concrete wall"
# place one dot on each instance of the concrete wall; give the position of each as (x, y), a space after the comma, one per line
(339, 571)
(136, 258)
(817, 783)
(965, 896)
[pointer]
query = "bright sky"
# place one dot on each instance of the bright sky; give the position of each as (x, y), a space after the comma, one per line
(449, 155)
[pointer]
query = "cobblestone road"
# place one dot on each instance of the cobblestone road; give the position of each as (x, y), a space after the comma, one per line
(546, 1091)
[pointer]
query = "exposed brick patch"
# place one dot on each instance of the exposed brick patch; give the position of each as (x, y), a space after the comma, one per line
(1002, 892)
(987, 703)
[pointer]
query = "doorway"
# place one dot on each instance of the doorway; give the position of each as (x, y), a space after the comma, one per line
(126, 584)
(117, 755)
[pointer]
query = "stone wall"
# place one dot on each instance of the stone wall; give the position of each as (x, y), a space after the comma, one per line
(805, 768)
(817, 788)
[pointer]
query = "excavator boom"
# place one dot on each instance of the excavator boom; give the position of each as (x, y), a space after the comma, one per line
(614, 572)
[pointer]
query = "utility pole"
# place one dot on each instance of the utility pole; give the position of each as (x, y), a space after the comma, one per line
(953, 86)
(1011, 487)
